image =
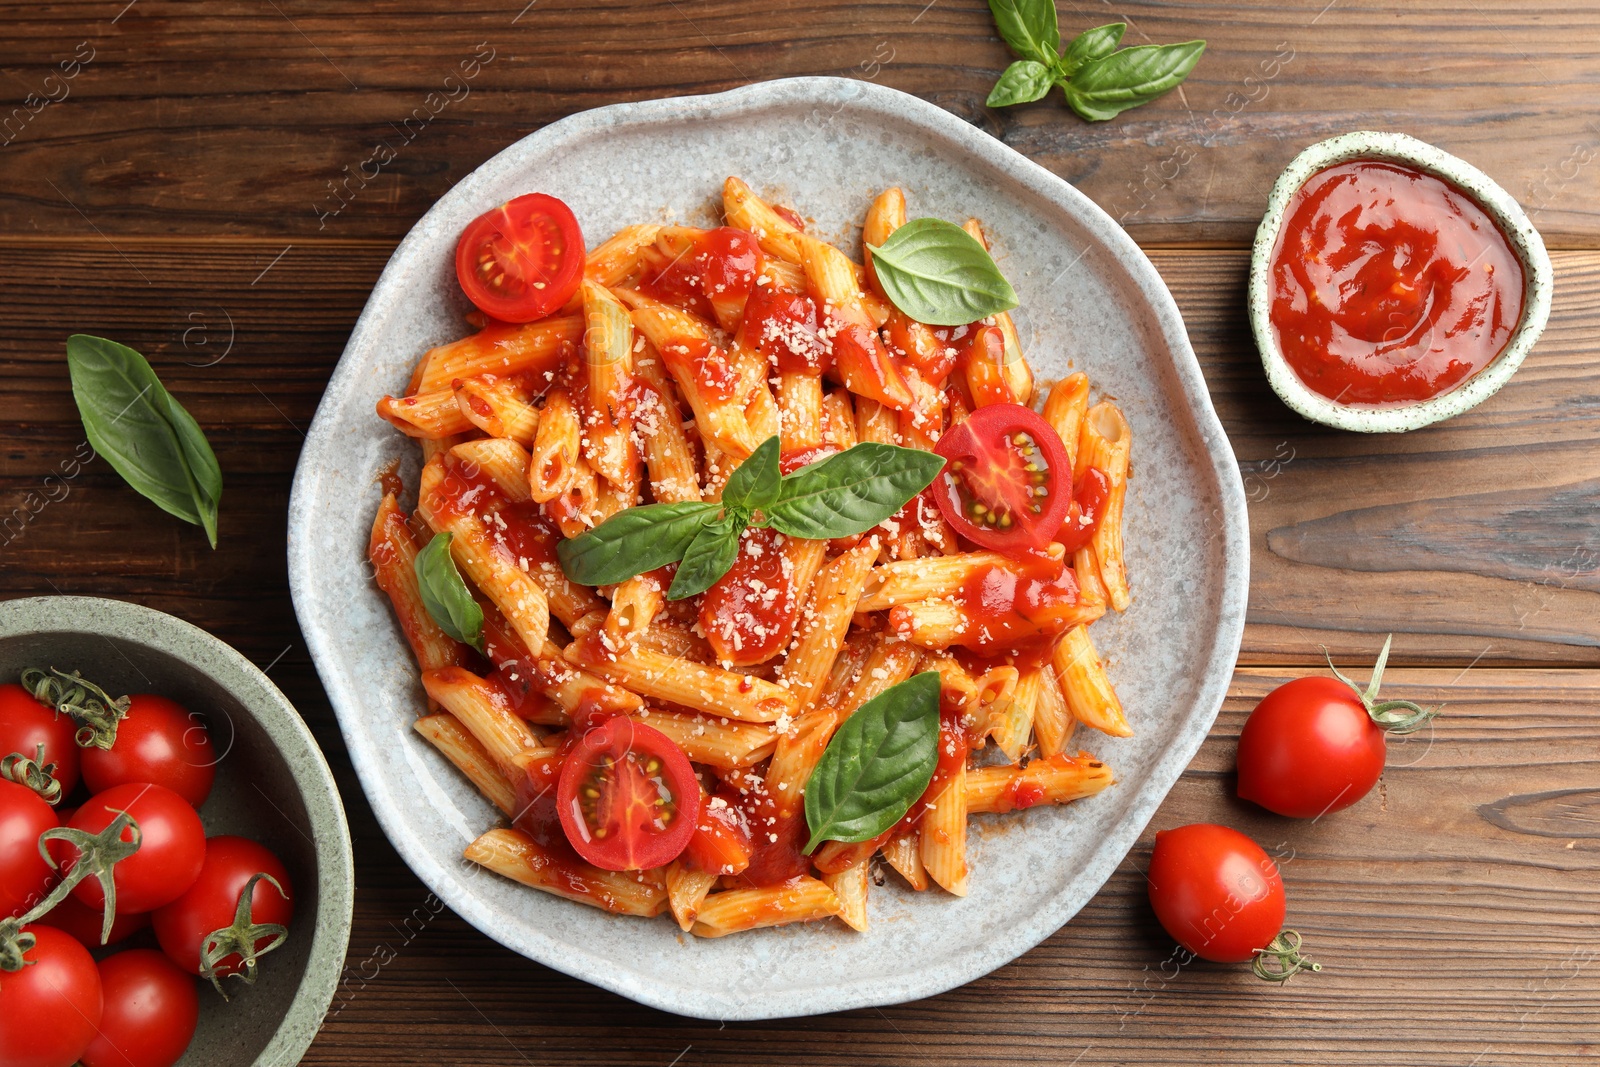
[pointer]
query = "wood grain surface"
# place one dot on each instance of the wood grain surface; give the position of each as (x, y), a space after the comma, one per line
(195, 188)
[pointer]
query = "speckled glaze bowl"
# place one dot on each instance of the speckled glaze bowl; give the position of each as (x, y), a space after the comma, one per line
(272, 785)
(1090, 300)
(1538, 283)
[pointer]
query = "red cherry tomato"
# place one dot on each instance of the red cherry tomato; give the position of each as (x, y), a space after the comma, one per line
(522, 260)
(25, 724)
(628, 799)
(83, 922)
(25, 877)
(151, 1009)
(1007, 484)
(210, 903)
(171, 850)
(157, 741)
(49, 1010)
(1216, 892)
(1309, 748)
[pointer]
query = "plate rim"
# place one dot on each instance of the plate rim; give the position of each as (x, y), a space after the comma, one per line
(1165, 768)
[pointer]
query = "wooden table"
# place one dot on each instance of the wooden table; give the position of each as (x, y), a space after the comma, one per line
(196, 189)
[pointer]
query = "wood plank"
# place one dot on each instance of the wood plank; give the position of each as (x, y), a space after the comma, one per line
(1454, 927)
(241, 118)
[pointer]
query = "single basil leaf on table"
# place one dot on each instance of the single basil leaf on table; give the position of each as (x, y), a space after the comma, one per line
(940, 274)
(1093, 43)
(445, 593)
(877, 764)
(143, 432)
(709, 556)
(1022, 83)
(1104, 88)
(852, 491)
(754, 483)
(633, 541)
(1029, 27)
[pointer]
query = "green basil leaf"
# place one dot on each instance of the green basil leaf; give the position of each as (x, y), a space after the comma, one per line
(1095, 43)
(1029, 27)
(852, 491)
(445, 593)
(143, 432)
(1022, 83)
(708, 556)
(1104, 88)
(877, 765)
(940, 274)
(754, 483)
(633, 541)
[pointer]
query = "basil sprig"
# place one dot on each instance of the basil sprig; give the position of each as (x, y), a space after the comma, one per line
(938, 273)
(877, 764)
(445, 593)
(1099, 81)
(847, 493)
(144, 433)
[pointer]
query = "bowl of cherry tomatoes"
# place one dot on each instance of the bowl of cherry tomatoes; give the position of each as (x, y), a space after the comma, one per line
(167, 825)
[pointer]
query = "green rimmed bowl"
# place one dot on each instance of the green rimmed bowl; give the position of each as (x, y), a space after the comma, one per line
(272, 785)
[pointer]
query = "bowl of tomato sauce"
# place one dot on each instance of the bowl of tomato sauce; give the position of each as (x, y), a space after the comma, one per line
(1393, 285)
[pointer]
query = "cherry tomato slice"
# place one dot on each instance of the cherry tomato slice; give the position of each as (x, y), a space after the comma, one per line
(1007, 484)
(522, 260)
(628, 799)
(151, 1010)
(161, 742)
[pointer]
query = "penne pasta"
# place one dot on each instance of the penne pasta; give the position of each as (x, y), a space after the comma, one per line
(393, 552)
(456, 744)
(515, 855)
(1104, 443)
(850, 887)
(942, 834)
(1085, 686)
(1056, 779)
(483, 710)
(903, 852)
(536, 349)
(687, 887)
(800, 900)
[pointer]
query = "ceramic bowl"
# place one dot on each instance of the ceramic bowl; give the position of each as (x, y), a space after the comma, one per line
(1090, 301)
(1538, 282)
(272, 785)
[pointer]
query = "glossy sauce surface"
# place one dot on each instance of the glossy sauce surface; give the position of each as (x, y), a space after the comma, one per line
(1390, 286)
(1018, 609)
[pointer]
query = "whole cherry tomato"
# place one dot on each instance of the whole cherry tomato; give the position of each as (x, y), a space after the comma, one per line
(210, 904)
(84, 922)
(151, 1009)
(1316, 745)
(157, 741)
(1220, 897)
(25, 877)
(25, 724)
(172, 847)
(49, 1010)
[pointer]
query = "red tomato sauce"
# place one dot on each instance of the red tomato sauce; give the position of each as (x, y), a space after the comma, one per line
(698, 360)
(1389, 285)
(748, 614)
(719, 267)
(786, 327)
(1017, 609)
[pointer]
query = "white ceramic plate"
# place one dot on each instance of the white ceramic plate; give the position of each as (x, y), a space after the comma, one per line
(1090, 301)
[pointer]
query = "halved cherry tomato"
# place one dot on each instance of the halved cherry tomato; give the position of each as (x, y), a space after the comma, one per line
(151, 1010)
(50, 1008)
(158, 741)
(628, 798)
(1007, 484)
(25, 724)
(25, 877)
(522, 260)
(172, 847)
